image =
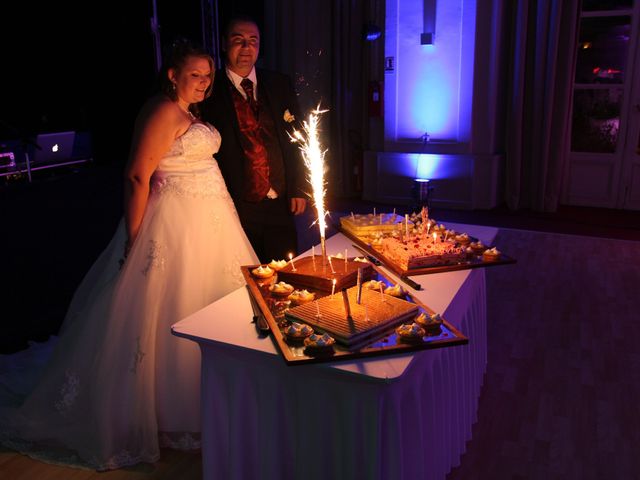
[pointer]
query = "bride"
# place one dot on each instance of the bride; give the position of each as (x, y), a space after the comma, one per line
(117, 385)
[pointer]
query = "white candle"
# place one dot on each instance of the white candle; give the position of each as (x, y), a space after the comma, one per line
(352, 216)
(293, 266)
(331, 265)
(428, 226)
(434, 237)
(406, 224)
(394, 213)
(333, 287)
(374, 211)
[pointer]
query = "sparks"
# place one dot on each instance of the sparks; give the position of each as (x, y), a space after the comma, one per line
(313, 155)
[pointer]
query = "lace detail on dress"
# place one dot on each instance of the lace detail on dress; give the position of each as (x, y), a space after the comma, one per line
(68, 392)
(138, 355)
(232, 270)
(123, 459)
(180, 440)
(208, 184)
(155, 257)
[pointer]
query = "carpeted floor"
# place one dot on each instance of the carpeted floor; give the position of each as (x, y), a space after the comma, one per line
(562, 389)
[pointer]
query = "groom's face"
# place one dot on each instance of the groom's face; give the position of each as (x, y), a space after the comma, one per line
(242, 47)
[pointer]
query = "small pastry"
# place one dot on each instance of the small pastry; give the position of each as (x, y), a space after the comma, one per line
(277, 265)
(262, 272)
(281, 289)
(298, 332)
(478, 247)
(301, 296)
(374, 284)
(491, 255)
(319, 343)
(410, 332)
(432, 324)
(395, 291)
(463, 239)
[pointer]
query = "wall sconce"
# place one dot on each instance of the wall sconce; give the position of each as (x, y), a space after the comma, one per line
(428, 35)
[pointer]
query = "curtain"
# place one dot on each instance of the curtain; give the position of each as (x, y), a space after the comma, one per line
(541, 71)
(319, 43)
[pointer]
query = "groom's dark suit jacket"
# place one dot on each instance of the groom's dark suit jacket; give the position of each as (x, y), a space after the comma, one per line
(276, 94)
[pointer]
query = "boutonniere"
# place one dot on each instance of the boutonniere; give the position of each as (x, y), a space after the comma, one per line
(288, 117)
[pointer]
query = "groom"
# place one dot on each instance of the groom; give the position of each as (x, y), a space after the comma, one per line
(253, 109)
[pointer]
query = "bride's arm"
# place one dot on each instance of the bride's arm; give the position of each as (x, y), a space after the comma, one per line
(155, 131)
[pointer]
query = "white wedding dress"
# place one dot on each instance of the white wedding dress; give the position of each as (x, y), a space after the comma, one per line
(118, 385)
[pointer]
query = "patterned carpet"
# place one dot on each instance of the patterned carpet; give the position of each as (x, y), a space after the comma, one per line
(562, 389)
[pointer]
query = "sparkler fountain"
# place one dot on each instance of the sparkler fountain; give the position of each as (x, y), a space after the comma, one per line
(313, 155)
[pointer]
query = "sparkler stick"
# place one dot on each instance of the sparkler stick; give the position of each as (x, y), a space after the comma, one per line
(313, 156)
(293, 265)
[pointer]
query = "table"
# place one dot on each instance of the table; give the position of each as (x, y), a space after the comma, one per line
(404, 416)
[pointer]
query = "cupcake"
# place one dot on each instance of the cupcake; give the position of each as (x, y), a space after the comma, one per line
(281, 289)
(412, 333)
(432, 324)
(375, 284)
(277, 265)
(297, 332)
(463, 239)
(491, 255)
(478, 247)
(395, 291)
(299, 297)
(319, 343)
(262, 272)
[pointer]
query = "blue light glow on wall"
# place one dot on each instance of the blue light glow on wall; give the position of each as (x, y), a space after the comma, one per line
(425, 89)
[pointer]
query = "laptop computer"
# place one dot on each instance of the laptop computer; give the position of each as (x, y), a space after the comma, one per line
(56, 147)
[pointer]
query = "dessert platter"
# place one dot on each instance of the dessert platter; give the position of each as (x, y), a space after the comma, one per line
(318, 312)
(416, 244)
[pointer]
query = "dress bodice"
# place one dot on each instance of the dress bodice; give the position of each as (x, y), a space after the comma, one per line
(188, 168)
(192, 151)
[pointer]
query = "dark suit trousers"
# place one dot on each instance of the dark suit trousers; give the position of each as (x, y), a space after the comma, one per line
(270, 228)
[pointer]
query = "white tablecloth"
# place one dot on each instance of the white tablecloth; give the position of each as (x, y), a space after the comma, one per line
(406, 416)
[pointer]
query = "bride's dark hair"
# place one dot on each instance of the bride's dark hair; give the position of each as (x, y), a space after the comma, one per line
(175, 56)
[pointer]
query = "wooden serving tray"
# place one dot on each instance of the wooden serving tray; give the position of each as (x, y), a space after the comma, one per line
(473, 262)
(366, 337)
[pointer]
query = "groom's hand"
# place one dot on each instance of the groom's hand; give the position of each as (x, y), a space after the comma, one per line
(298, 205)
